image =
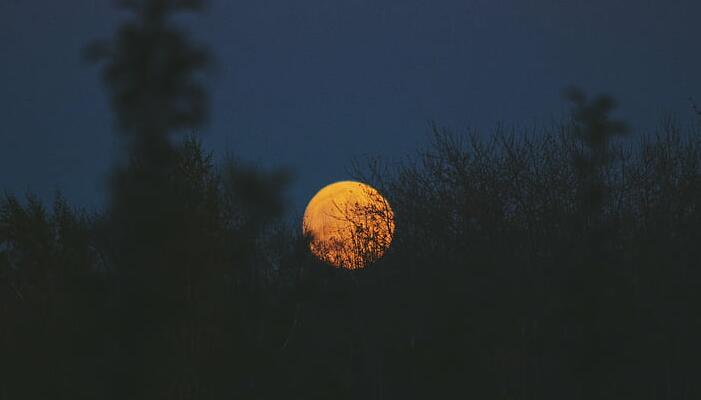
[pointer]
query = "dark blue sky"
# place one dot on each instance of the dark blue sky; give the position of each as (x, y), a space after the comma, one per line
(311, 85)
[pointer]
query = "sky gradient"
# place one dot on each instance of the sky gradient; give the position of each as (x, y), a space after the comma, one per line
(313, 85)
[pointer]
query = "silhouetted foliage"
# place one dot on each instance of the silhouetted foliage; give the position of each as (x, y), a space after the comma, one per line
(538, 258)
(182, 235)
(50, 291)
(151, 70)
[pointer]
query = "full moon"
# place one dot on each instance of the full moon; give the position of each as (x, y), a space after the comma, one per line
(350, 224)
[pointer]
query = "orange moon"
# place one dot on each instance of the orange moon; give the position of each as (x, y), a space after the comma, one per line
(350, 224)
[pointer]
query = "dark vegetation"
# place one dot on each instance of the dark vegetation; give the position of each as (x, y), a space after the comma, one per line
(530, 265)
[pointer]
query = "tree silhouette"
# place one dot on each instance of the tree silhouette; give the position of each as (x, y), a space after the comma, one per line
(181, 234)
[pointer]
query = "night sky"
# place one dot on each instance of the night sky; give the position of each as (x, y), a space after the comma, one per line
(312, 85)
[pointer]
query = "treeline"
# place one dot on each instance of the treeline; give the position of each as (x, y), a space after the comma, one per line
(504, 280)
(522, 275)
(560, 263)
